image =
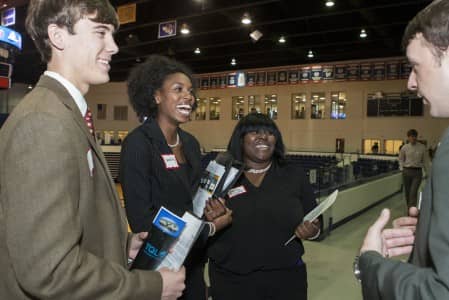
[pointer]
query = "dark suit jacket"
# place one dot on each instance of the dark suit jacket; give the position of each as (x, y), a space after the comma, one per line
(426, 276)
(146, 182)
(63, 234)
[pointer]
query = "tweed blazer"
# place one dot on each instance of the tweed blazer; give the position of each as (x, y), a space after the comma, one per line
(63, 233)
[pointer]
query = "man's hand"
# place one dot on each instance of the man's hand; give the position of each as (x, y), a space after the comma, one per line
(137, 240)
(172, 283)
(409, 221)
(373, 240)
(307, 230)
(400, 239)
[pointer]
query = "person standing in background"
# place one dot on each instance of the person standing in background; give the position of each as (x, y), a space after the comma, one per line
(425, 275)
(63, 234)
(413, 158)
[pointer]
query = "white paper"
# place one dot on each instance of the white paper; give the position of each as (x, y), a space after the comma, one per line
(180, 250)
(322, 207)
(317, 211)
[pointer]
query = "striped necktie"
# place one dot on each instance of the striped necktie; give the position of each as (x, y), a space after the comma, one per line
(89, 122)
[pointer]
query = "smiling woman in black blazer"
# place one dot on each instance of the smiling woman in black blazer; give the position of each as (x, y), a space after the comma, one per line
(160, 163)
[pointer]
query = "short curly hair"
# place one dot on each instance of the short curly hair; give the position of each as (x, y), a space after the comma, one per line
(148, 77)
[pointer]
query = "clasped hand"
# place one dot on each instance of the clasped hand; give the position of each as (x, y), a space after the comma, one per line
(307, 229)
(217, 213)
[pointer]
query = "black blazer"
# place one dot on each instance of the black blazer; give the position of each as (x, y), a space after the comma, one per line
(146, 182)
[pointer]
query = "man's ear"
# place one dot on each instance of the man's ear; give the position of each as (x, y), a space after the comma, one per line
(56, 36)
(157, 97)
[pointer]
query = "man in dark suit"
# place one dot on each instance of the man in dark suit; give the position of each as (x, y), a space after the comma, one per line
(426, 275)
(63, 234)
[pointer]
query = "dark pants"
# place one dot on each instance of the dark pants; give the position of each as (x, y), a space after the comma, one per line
(412, 179)
(281, 284)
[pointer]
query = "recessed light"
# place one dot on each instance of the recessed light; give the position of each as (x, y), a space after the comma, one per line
(282, 39)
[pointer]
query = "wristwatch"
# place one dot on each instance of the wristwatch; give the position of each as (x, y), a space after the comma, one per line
(356, 270)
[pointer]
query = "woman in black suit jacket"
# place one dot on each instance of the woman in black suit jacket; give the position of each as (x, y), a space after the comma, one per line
(160, 163)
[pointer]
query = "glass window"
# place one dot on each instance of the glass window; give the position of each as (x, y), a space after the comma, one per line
(317, 105)
(338, 105)
(214, 108)
(101, 111)
(271, 106)
(238, 110)
(121, 134)
(392, 147)
(371, 146)
(254, 104)
(200, 112)
(299, 106)
(121, 113)
(109, 137)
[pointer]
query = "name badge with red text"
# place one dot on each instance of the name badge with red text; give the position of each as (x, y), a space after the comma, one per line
(170, 161)
(236, 191)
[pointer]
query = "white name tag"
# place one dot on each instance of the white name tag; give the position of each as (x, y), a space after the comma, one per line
(236, 191)
(90, 162)
(170, 161)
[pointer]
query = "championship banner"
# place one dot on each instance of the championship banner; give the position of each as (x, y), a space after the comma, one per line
(214, 82)
(379, 71)
(250, 78)
(232, 80)
(204, 83)
(328, 72)
(293, 76)
(340, 72)
(392, 70)
(222, 81)
(366, 71)
(261, 78)
(317, 73)
(406, 69)
(271, 78)
(306, 74)
(282, 77)
(353, 72)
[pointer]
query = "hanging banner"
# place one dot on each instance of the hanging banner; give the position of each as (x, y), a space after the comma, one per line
(305, 74)
(271, 78)
(261, 78)
(250, 78)
(328, 72)
(379, 71)
(406, 69)
(222, 81)
(232, 80)
(214, 82)
(317, 73)
(282, 77)
(205, 83)
(392, 70)
(353, 72)
(366, 71)
(340, 72)
(293, 76)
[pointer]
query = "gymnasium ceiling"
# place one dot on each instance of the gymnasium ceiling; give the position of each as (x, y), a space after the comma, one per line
(332, 33)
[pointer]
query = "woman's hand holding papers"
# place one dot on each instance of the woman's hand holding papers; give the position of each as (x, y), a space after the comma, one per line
(217, 213)
(308, 230)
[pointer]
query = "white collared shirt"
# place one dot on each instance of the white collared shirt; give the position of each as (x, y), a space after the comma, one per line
(73, 91)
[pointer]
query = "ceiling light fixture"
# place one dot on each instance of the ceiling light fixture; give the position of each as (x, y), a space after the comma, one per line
(363, 33)
(330, 3)
(185, 29)
(255, 35)
(197, 51)
(246, 19)
(282, 39)
(233, 62)
(310, 54)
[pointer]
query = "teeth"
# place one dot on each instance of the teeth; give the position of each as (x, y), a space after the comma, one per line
(184, 106)
(262, 147)
(103, 61)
